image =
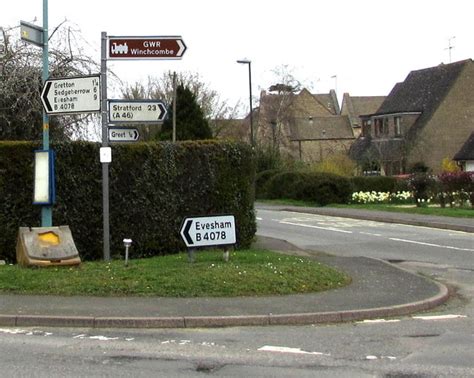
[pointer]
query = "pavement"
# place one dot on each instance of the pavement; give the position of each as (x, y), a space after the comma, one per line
(378, 290)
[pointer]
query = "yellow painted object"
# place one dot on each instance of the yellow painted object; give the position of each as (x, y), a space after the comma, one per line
(46, 246)
(48, 238)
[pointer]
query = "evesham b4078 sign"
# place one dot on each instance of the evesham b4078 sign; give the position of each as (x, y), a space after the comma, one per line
(146, 47)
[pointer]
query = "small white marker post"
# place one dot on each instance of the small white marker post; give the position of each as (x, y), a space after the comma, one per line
(127, 243)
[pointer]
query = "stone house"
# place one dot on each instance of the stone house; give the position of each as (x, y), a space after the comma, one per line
(424, 119)
(465, 156)
(355, 106)
(282, 120)
(310, 127)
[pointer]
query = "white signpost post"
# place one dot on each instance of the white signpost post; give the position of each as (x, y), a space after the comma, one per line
(71, 95)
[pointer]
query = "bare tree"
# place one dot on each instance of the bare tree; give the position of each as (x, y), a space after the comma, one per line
(21, 83)
(161, 88)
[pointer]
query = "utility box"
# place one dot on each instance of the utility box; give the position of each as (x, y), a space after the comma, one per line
(46, 246)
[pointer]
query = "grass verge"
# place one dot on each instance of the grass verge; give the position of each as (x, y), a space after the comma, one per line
(455, 212)
(248, 273)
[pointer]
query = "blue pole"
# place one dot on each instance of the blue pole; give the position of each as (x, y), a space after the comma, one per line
(46, 210)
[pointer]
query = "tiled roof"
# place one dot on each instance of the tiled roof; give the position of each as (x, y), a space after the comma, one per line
(366, 104)
(328, 100)
(355, 106)
(422, 91)
(317, 128)
(467, 150)
(390, 149)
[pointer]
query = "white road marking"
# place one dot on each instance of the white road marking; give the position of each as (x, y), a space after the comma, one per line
(13, 331)
(282, 349)
(258, 218)
(382, 357)
(431, 244)
(24, 332)
(99, 338)
(439, 317)
(320, 228)
(369, 233)
(103, 338)
(379, 321)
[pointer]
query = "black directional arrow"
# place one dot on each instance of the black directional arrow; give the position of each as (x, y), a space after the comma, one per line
(185, 232)
(163, 111)
(44, 96)
(133, 134)
(121, 134)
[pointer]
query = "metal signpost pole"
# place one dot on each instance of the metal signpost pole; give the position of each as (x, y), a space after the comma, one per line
(46, 210)
(174, 107)
(252, 140)
(105, 143)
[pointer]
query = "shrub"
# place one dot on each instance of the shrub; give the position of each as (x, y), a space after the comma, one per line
(284, 184)
(419, 167)
(153, 186)
(448, 165)
(324, 189)
(261, 182)
(455, 186)
(401, 184)
(267, 158)
(374, 184)
(423, 186)
(339, 164)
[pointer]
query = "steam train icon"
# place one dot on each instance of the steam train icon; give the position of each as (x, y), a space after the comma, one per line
(119, 48)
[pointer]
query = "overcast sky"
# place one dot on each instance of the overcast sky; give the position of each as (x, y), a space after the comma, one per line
(368, 45)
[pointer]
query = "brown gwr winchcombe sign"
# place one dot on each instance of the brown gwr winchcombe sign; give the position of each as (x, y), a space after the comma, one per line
(146, 47)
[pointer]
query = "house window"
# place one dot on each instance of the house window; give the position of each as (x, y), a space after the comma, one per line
(378, 127)
(366, 128)
(398, 126)
(385, 126)
(381, 127)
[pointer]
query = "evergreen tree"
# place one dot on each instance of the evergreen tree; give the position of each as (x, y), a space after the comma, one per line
(190, 121)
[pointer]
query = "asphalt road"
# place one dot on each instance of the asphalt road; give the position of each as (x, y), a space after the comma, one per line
(353, 237)
(438, 343)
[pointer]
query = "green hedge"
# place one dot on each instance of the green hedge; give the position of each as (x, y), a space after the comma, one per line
(374, 183)
(261, 181)
(153, 186)
(322, 188)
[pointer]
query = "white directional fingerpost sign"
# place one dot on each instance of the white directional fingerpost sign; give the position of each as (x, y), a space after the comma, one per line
(71, 95)
(121, 134)
(208, 231)
(136, 111)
